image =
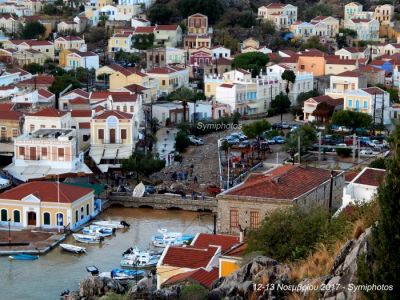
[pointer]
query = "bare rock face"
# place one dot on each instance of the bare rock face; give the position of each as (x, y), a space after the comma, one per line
(95, 286)
(240, 284)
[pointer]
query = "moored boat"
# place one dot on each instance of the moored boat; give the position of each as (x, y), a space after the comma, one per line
(122, 274)
(98, 230)
(170, 238)
(73, 248)
(112, 224)
(23, 257)
(88, 239)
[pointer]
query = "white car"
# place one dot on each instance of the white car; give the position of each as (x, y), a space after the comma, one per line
(366, 152)
(195, 140)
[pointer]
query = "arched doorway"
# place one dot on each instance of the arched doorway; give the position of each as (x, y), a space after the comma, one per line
(31, 218)
(112, 135)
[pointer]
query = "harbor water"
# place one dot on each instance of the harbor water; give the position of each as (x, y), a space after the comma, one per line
(57, 271)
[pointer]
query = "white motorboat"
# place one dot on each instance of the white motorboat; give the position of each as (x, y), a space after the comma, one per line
(98, 230)
(88, 239)
(166, 238)
(73, 248)
(4, 183)
(112, 224)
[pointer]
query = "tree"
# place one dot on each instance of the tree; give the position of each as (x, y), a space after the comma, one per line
(313, 42)
(268, 27)
(246, 19)
(253, 61)
(181, 141)
(194, 292)
(379, 163)
(307, 135)
(305, 96)
(143, 164)
(51, 10)
(33, 30)
(160, 14)
(34, 68)
(213, 9)
(184, 95)
(293, 233)
(143, 41)
(61, 82)
(343, 36)
(381, 264)
(281, 104)
(256, 129)
(129, 58)
(351, 119)
(317, 10)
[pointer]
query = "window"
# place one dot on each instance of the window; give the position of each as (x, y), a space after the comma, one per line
(4, 215)
(123, 134)
(76, 216)
(3, 132)
(365, 105)
(17, 216)
(60, 152)
(254, 219)
(82, 213)
(15, 132)
(22, 151)
(234, 218)
(44, 152)
(87, 209)
(163, 82)
(357, 104)
(101, 134)
(60, 219)
(46, 218)
(350, 103)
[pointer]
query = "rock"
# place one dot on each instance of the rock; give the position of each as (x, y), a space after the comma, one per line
(96, 286)
(262, 270)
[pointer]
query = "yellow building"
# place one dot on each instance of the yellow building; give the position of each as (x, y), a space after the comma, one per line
(47, 205)
(121, 41)
(102, 3)
(62, 57)
(10, 125)
(29, 56)
(231, 260)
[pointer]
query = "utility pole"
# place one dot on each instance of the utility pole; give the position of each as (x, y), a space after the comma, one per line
(383, 109)
(373, 124)
(331, 192)
(319, 148)
(299, 148)
(354, 147)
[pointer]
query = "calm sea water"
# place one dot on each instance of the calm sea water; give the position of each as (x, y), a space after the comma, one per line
(57, 271)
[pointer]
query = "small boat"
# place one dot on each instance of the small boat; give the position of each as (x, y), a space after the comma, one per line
(98, 230)
(23, 257)
(4, 183)
(92, 270)
(139, 190)
(73, 248)
(171, 238)
(122, 274)
(142, 261)
(112, 224)
(88, 239)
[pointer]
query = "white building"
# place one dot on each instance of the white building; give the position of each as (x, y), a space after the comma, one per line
(353, 53)
(283, 15)
(146, 3)
(77, 59)
(352, 10)
(140, 22)
(367, 29)
(46, 152)
(48, 118)
(220, 51)
(363, 187)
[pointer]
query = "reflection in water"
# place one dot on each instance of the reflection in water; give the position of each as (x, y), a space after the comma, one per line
(48, 276)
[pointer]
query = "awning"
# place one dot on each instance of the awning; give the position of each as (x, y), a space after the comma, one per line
(103, 168)
(252, 105)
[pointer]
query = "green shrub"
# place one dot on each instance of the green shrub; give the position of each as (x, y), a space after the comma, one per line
(292, 234)
(193, 292)
(181, 141)
(378, 163)
(344, 152)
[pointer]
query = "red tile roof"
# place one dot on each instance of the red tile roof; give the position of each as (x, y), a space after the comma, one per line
(79, 100)
(354, 49)
(6, 106)
(371, 177)
(10, 115)
(165, 70)
(201, 276)
(134, 88)
(275, 5)
(47, 192)
(84, 125)
(49, 112)
(373, 90)
(45, 93)
(336, 60)
(119, 114)
(226, 242)
(39, 80)
(99, 95)
(237, 251)
(328, 99)
(349, 74)
(167, 27)
(284, 183)
(70, 38)
(80, 92)
(226, 85)
(350, 175)
(124, 97)
(145, 29)
(189, 257)
(79, 113)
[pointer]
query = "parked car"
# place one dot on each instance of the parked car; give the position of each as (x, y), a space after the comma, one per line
(341, 145)
(244, 144)
(195, 140)
(149, 189)
(279, 140)
(366, 152)
(232, 140)
(238, 135)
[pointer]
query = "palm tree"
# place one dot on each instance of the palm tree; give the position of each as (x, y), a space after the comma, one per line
(184, 95)
(290, 77)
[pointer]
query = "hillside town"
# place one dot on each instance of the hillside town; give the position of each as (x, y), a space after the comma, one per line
(225, 148)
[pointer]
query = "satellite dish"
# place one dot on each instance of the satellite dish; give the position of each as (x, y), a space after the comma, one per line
(139, 190)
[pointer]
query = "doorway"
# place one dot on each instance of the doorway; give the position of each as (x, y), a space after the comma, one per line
(112, 136)
(31, 218)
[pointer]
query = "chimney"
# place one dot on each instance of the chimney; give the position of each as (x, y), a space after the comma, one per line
(241, 236)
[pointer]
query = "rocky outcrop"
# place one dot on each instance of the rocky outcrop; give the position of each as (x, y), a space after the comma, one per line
(96, 286)
(265, 271)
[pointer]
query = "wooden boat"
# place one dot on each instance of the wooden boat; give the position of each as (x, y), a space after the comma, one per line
(73, 248)
(98, 230)
(88, 239)
(23, 257)
(121, 274)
